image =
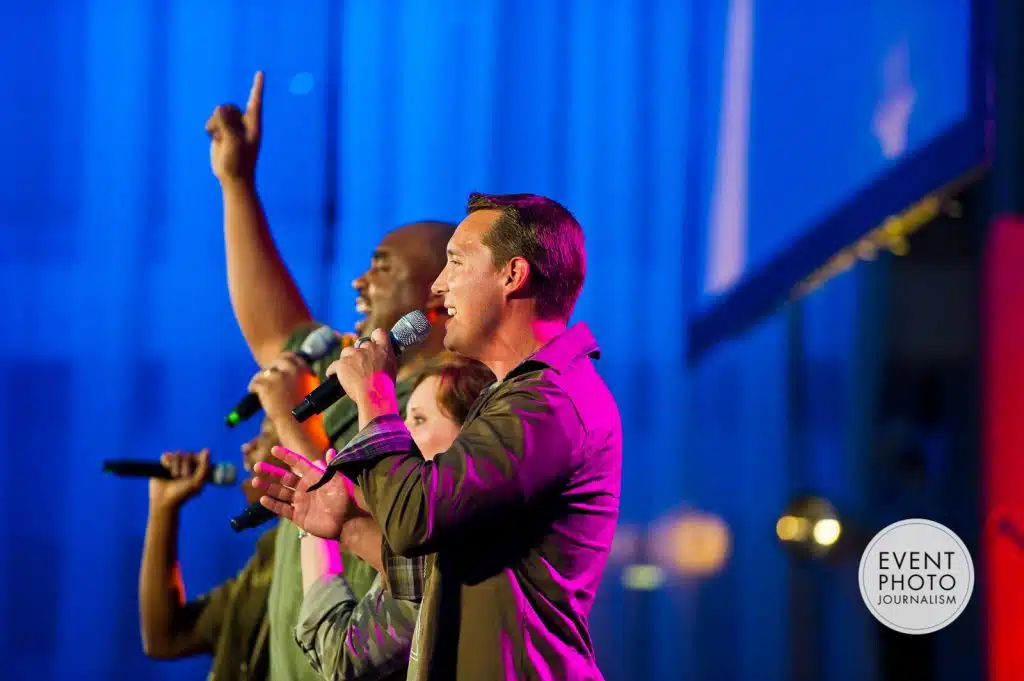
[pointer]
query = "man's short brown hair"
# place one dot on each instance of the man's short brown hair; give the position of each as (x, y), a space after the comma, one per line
(547, 235)
(460, 382)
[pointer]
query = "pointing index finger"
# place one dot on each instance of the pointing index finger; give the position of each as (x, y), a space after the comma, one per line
(254, 109)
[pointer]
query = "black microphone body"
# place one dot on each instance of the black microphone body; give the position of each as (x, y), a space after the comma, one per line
(254, 515)
(246, 408)
(219, 474)
(317, 345)
(325, 394)
(412, 329)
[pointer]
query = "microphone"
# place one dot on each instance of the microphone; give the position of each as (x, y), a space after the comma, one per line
(412, 329)
(254, 515)
(219, 474)
(317, 345)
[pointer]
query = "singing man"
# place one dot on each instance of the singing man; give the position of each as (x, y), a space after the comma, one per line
(521, 509)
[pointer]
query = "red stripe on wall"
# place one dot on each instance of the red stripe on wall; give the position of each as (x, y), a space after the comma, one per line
(1003, 443)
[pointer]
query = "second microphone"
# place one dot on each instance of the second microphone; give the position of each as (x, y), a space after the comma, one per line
(412, 329)
(317, 345)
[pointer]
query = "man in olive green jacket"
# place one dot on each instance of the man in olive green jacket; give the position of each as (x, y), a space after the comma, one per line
(521, 510)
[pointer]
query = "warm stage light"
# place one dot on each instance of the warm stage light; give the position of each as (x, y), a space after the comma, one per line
(691, 543)
(791, 528)
(810, 526)
(827, 531)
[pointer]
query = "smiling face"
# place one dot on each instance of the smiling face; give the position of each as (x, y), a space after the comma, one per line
(516, 259)
(387, 290)
(472, 287)
(398, 280)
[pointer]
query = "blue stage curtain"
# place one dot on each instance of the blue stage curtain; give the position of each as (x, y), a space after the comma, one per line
(118, 338)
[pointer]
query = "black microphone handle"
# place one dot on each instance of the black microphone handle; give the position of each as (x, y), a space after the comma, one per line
(246, 408)
(254, 515)
(249, 405)
(137, 469)
(325, 394)
(219, 474)
(411, 329)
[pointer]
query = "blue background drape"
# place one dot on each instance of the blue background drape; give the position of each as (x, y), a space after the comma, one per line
(118, 338)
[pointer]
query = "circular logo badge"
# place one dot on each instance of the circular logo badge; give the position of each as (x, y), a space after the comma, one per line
(916, 576)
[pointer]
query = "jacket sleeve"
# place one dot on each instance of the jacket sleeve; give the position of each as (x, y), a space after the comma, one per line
(521, 444)
(346, 639)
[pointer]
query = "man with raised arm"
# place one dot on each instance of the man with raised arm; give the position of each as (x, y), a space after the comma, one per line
(274, 319)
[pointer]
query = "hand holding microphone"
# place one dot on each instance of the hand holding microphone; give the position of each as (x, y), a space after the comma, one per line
(359, 367)
(366, 372)
(189, 473)
(317, 345)
(282, 385)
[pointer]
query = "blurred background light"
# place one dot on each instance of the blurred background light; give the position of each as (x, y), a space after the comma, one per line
(809, 526)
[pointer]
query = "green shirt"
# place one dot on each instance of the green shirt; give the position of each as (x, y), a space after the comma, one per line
(288, 662)
(231, 618)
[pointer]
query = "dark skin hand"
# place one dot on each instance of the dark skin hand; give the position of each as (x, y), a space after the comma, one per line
(167, 624)
(168, 630)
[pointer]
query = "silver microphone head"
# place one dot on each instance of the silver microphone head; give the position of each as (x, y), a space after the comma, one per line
(412, 329)
(224, 474)
(319, 344)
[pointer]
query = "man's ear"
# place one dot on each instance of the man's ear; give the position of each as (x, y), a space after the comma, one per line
(517, 276)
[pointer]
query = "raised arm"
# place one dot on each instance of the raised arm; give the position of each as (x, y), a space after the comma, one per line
(167, 623)
(264, 296)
